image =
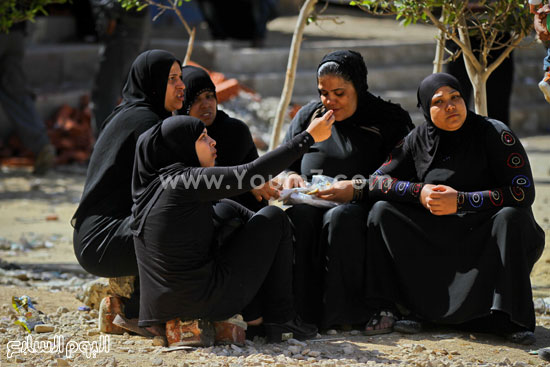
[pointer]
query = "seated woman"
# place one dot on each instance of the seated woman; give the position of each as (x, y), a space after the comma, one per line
(330, 244)
(233, 139)
(103, 242)
(183, 272)
(453, 238)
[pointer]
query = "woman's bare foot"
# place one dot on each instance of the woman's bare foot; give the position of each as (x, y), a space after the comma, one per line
(157, 330)
(256, 322)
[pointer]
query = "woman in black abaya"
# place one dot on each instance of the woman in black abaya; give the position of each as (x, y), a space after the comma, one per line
(330, 244)
(453, 237)
(103, 241)
(233, 139)
(183, 272)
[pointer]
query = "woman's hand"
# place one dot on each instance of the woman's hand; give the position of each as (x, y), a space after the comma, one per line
(321, 127)
(266, 191)
(293, 180)
(439, 199)
(340, 191)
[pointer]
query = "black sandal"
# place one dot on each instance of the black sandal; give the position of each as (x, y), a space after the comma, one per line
(376, 319)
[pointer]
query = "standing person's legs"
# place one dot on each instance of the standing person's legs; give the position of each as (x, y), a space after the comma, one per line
(499, 89)
(16, 97)
(116, 56)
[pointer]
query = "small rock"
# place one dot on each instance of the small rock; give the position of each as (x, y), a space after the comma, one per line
(62, 362)
(314, 353)
(160, 341)
(332, 332)
(296, 342)
(156, 362)
(128, 342)
(92, 332)
(354, 332)
(61, 310)
(418, 348)
(348, 349)
(236, 349)
(505, 362)
(44, 328)
(294, 349)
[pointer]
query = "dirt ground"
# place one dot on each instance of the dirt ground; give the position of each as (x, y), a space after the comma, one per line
(35, 229)
(39, 210)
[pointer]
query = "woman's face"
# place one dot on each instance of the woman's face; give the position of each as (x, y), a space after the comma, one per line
(447, 109)
(173, 99)
(204, 107)
(204, 146)
(338, 95)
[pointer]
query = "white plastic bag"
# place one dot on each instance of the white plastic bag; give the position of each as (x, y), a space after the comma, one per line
(299, 195)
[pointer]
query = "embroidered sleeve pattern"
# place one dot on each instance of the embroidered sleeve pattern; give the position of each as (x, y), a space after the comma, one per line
(510, 168)
(384, 186)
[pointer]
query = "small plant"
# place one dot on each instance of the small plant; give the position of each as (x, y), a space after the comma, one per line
(163, 6)
(460, 20)
(15, 11)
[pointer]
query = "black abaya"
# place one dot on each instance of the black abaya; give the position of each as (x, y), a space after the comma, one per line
(455, 268)
(182, 272)
(103, 242)
(329, 261)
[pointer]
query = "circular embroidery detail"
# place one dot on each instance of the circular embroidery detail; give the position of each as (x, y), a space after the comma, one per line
(521, 181)
(496, 197)
(415, 190)
(507, 138)
(515, 160)
(517, 193)
(475, 199)
(387, 184)
(401, 187)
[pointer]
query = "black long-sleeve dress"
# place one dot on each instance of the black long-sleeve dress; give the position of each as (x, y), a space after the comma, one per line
(103, 242)
(455, 268)
(182, 272)
(235, 146)
(330, 244)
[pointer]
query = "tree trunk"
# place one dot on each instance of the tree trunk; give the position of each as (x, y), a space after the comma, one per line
(479, 84)
(439, 53)
(306, 9)
(190, 44)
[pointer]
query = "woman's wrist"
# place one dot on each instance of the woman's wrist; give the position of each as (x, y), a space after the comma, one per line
(358, 186)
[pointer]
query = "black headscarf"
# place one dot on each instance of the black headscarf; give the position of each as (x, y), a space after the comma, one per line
(196, 81)
(427, 138)
(146, 83)
(108, 182)
(353, 66)
(163, 151)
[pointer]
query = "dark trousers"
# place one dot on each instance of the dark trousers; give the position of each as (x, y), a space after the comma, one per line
(259, 257)
(329, 264)
(499, 84)
(116, 55)
(16, 97)
(104, 246)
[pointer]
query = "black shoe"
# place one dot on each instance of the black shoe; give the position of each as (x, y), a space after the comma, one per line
(293, 329)
(522, 337)
(407, 326)
(544, 354)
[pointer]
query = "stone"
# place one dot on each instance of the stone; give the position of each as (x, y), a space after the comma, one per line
(160, 341)
(197, 333)
(332, 332)
(296, 342)
(294, 349)
(62, 362)
(122, 286)
(93, 292)
(157, 362)
(44, 328)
